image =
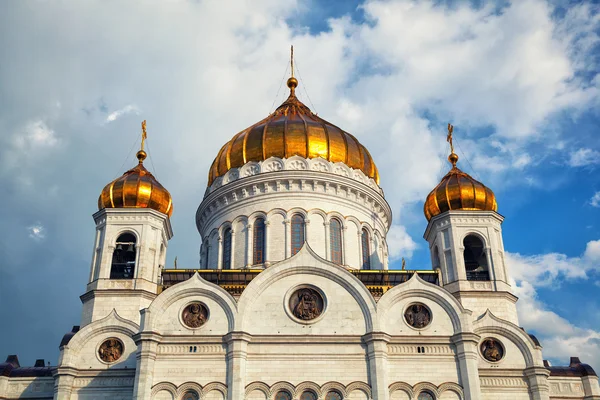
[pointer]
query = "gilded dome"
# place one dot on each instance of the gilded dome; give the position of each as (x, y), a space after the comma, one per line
(459, 191)
(289, 131)
(136, 188)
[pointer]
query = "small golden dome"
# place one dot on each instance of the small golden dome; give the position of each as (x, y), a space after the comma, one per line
(137, 188)
(289, 131)
(458, 191)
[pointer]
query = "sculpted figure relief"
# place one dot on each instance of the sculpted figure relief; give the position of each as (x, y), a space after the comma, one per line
(417, 315)
(492, 350)
(306, 304)
(195, 315)
(111, 350)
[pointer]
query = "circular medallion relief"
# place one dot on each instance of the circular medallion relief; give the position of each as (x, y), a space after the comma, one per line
(195, 315)
(417, 315)
(110, 350)
(306, 304)
(492, 350)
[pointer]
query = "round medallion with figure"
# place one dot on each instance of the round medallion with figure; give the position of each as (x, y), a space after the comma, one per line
(306, 304)
(110, 350)
(195, 315)
(417, 315)
(492, 350)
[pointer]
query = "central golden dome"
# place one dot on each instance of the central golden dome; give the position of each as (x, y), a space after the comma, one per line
(292, 130)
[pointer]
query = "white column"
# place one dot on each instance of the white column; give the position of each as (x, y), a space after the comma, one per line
(326, 225)
(63, 382)
(266, 244)
(468, 359)
(537, 377)
(345, 246)
(249, 259)
(376, 343)
(360, 249)
(237, 354)
(147, 343)
(288, 237)
(220, 253)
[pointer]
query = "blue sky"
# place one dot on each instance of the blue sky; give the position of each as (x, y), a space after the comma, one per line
(519, 80)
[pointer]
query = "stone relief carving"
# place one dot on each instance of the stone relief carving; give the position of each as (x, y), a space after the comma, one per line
(306, 304)
(195, 315)
(111, 350)
(492, 350)
(417, 315)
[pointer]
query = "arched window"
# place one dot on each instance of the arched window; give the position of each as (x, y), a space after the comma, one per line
(335, 240)
(206, 249)
(123, 259)
(475, 259)
(426, 395)
(366, 249)
(283, 395)
(227, 249)
(308, 395)
(333, 395)
(259, 241)
(298, 236)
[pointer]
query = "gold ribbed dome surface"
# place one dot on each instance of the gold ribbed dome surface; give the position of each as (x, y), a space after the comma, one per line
(292, 130)
(459, 191)
(137, 188)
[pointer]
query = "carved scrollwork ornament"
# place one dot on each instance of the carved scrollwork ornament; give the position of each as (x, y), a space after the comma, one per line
(492, 350)
(111, 350)
(306, 304)
(194, 315)
(417, 315)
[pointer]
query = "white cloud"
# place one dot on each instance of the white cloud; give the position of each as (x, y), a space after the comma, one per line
(583, 157)
(595, 200)
(37, 232)
(36, 134)
(128, 109)
(560, 337)
(400, 243)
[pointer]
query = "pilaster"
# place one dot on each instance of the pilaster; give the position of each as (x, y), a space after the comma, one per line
(64, 378)
(377, 356)
(468, 359)
(147, 343)
(237, 355)
(537, 378)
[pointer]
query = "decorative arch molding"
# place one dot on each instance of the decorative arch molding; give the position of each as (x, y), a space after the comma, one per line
(403, 386)
(304, 386)
(359, 386)
(329, 386)
(112, 323)
(218, 386)
(167, 386)
(263, 387)
(128, 229)
(416, 286)
(452, 387)
(303, 262)
(421, 386)
(189, 386)
(281, 386)
(489, 323)
(478, 233)
(195, 285)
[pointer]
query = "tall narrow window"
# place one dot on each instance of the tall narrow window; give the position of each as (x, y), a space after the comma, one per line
(335, 240)
(123, 259)
(298, 236)
(227, 249)
(206, 249)
(475, 259)
(366, 250)
(259, 241)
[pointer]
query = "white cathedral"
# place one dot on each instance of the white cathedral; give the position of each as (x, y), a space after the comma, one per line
(294, 299)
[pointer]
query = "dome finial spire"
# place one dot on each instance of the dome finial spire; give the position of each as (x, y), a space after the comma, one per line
(141, 155)
(453, 157)
(292, 82)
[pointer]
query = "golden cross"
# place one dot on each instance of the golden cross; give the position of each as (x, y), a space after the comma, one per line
(292, 60)
(449, 137)
(144, 134)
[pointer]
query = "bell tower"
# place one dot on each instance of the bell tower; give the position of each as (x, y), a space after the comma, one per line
(465, 242)
(133, 229)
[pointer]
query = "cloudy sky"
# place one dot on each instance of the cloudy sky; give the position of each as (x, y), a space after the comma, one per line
(519, 80)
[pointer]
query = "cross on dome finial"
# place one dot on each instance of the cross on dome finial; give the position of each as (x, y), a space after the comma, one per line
(453, 157)
(141, 155)
(292, 82)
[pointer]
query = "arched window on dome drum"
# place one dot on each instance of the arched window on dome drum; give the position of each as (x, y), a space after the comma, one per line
(298, 233)
(475, 259)
(333, 395)
(123, 259)
(308, 395)
(335, 241)
(366, 250)
(283, 395)
(227, 249)
(206, 254)
(259, 241)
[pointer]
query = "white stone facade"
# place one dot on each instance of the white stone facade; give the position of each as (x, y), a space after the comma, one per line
(254, 346)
